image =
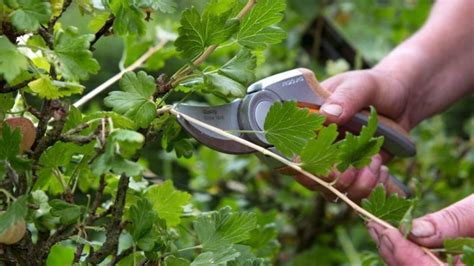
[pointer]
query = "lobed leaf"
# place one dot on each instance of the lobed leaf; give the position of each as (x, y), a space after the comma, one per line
(389, 208)
(358, 150)
(168, 202)
(68, 213)
(134, 101)
(73, 58)
(12, 62)
(199, 31)
(16, 211)
(289, 128)
(258, 29)
(241, 67)
(219, 257)
(320, 154)
(220, 229)
(29, 14)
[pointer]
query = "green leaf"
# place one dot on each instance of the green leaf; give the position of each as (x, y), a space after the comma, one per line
(391, 208)
(60, 255)
(73, 58)
(197, 32)
(456, 245)
(16, 211)
(288, 127)
(358, 151)
(112, 161)
(142, 217)
(407, 221)
(224, 86)
(166, 6)
(119, 121)
(67, 213)
(6, 102)
(175, 261)
(219, 257)
(258, 29)
(129, 19)
(12, 62)
(9, 142)
(31, 14)
(168, 202)
(60, 154)
(468, 256)
(263, 239)
(129, 141)
(46, 88)
(223, 228)
(320, 154)
(241, 67)
(135, 100)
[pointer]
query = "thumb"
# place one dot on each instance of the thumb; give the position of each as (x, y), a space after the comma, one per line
(352, 91)
(454, 221)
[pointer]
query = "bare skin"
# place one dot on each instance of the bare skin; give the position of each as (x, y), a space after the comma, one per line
(420, 78)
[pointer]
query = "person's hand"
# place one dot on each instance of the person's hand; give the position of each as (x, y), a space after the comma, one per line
(429, 231)
(352, 92)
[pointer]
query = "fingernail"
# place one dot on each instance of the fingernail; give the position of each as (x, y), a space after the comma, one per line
(374, 235)
(332, 109)
(422, 228)
(386, 242)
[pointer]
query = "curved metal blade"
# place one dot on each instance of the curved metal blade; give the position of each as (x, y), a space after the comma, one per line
(224, 117)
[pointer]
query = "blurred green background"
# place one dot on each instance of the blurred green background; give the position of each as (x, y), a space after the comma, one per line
(311, 231)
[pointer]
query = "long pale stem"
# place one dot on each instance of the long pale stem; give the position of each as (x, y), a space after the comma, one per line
(296, 167)
(119, 75)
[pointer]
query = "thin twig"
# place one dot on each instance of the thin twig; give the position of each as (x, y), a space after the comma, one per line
(89, 96)
(296, 167)
(104, 30)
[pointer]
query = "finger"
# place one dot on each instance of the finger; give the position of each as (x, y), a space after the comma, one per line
(454, 221)
(349, 97)
(395, 249)
(331, 84)
(366, 180)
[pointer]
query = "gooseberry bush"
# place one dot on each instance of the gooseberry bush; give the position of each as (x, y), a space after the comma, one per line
(75, 186)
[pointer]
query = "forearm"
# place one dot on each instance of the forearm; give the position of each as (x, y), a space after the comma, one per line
(436, 65)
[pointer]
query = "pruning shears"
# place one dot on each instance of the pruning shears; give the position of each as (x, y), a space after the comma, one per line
(245, 118)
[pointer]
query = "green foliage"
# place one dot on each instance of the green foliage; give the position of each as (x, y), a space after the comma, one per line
(67, 213)
(257, 30)
(46, 88)
(73, 58)
(29, 14)
(320, 154)
(134, 99)
(241, 67)
(468, 256)
(219, 257)
(60, 254)
(16, 211)
(358, 150)
(12, 62)
(223, 228)
(389, 208)
(289, 128)
(199, 31)
(456, 245)
(168, 202)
